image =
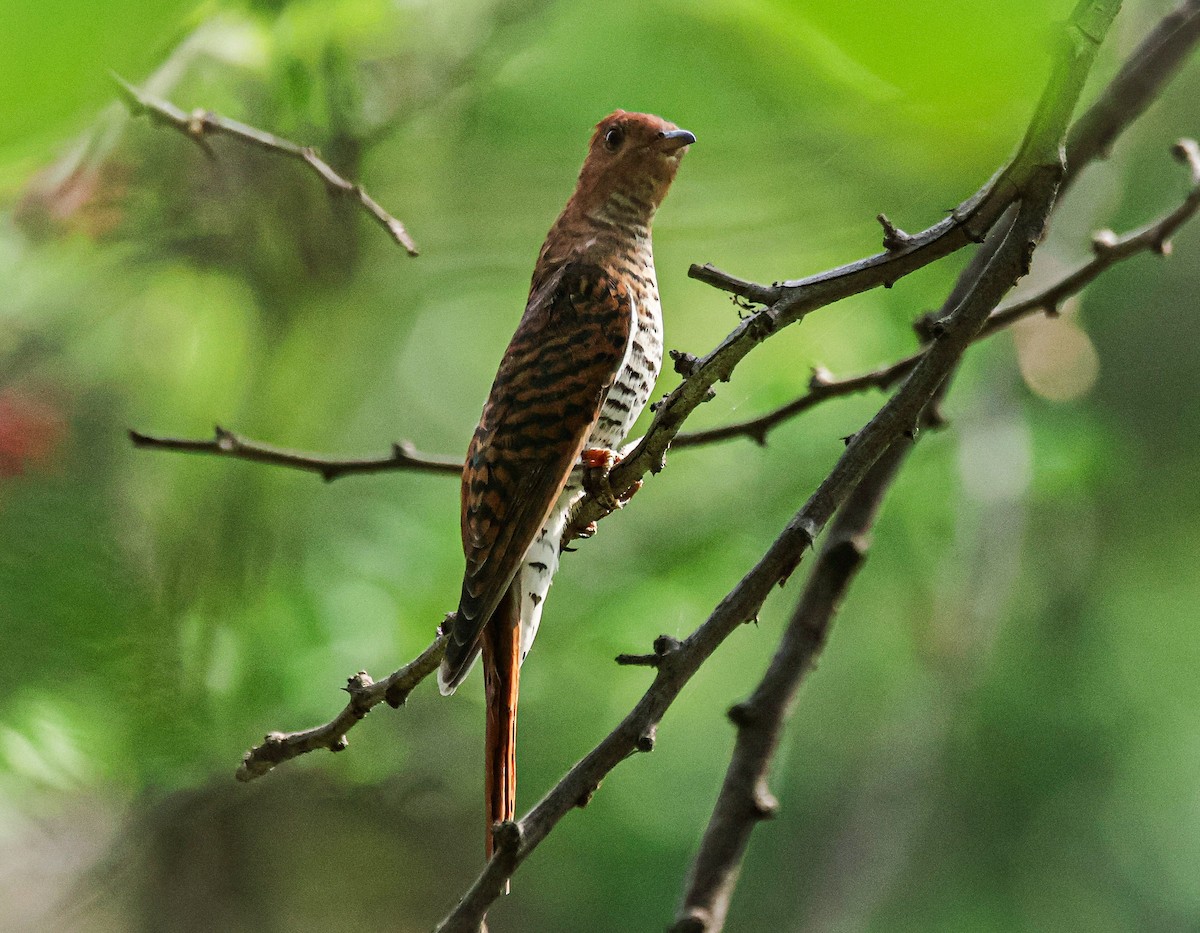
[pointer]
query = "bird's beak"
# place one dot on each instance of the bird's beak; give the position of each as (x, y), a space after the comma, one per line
(674, 140)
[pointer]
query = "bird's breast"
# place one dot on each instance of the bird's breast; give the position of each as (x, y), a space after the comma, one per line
(642, 361)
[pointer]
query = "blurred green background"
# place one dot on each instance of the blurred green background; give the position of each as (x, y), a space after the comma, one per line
(1003, 732)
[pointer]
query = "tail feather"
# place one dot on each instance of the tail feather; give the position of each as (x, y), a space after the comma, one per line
(456, 665)
(501, 668)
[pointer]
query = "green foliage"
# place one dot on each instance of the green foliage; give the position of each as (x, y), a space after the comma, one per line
(1001, 731)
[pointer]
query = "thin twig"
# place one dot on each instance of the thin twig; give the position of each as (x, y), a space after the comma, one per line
(1108, 250)
(200, 124)
(227, 444)
(1140, 79)
(365, 694)
(1138, 83)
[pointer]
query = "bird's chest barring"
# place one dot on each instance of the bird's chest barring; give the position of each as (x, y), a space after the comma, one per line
(634, 380)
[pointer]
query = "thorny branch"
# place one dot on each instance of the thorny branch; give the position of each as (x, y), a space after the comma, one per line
(200, 124)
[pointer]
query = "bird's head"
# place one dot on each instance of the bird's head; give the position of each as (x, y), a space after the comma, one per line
(631, 163)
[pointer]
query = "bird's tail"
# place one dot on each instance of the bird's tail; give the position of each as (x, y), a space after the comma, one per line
(501, 669)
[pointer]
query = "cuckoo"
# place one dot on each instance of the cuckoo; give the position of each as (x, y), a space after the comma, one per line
(576, 375)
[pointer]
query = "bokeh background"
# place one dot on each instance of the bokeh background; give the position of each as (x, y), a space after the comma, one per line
(1003, 733)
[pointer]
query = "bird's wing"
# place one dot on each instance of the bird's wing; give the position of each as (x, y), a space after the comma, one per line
(547, 396)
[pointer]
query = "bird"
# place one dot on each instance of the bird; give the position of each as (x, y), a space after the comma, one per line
(573, 380)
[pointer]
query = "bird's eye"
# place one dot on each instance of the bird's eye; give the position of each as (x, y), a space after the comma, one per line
(613, 138)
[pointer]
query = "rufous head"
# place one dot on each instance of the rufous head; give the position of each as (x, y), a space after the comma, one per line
(634, 155)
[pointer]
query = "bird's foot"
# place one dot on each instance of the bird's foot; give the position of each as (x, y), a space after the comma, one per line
(597, 465)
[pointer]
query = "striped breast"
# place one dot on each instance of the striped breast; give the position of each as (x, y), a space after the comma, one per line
(643, 355)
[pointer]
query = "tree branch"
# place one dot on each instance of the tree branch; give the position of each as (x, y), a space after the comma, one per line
(227, 444)
(745, 798)
(1143, 75)
(365, 694)
(200, 124)
(1136, 85)
(1108, 250)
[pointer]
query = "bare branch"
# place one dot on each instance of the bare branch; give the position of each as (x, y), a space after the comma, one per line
(745, 798)
(741, 288)
(1141, 78)
(200, 124)
(227, 444)
(1136, 85)
(365, 693)
(1108, 250)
